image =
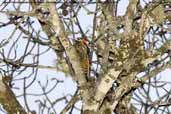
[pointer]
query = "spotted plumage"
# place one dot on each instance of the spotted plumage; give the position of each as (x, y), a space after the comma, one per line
(83, 55)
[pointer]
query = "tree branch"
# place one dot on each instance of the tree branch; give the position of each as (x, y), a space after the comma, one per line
(8, 99)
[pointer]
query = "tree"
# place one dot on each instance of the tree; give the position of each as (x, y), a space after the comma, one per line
(115, 64)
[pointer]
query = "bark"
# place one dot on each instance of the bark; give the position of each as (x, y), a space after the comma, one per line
(8, 99)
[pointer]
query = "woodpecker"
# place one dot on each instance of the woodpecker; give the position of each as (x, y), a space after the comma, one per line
(82, 50)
